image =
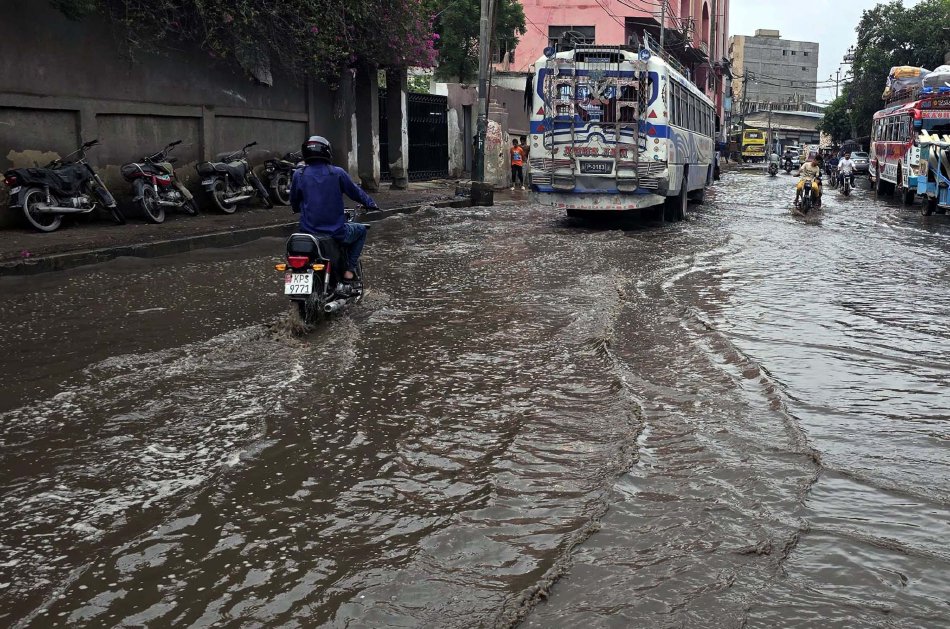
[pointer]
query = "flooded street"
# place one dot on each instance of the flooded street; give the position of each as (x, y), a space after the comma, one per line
(739, 421)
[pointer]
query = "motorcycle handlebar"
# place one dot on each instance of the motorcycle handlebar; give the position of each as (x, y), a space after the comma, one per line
(175, 143)
(250, 145)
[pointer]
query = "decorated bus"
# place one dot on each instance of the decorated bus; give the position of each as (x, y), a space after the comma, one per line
(895, 163)
(617, 129)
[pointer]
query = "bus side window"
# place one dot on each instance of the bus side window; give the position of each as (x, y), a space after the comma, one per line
(674, 105)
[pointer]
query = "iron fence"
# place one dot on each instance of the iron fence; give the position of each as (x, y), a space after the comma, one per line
(428, 137)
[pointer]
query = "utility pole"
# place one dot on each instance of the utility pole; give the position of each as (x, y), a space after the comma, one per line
(663, 25)
(482, 193)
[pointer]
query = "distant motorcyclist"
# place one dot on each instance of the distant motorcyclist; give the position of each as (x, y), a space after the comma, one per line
(316, 192)
(774, 161)
(846, 169)
(787, 158)
(831, 164)
(809, 171)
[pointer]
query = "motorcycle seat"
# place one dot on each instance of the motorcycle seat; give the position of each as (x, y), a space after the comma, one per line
(323, 247)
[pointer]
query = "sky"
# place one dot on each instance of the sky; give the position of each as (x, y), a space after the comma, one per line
(831, 23)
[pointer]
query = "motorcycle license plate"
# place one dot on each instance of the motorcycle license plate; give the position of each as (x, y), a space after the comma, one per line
(207, 182)
(298, 283)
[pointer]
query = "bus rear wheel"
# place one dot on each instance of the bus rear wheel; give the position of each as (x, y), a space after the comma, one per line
(674, 208)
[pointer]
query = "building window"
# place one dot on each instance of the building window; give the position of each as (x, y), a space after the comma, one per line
(804, 69)
(805, 53)
(566, 37)
(784, 53)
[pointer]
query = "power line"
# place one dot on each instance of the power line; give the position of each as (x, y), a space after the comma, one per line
(612, 16)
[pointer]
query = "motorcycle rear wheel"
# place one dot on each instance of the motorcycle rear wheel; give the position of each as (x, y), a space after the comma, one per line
(219, 192)
(190, 207)
(311, 309)
(154, 213)
(41, 221)
(280, 189)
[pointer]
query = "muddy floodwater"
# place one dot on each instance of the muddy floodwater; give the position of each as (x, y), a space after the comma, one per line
(742, 420)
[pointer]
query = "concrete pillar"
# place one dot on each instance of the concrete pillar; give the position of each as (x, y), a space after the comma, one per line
(340, 127)
(497, 145)
(367, 128)
(89, 130)
(207, 134)
(397, 116)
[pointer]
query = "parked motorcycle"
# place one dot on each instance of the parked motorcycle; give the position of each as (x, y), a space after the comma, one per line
(313, 276)
(64, 186)
(773, 169)
(157, 185)
(232, 181)
(278, 174)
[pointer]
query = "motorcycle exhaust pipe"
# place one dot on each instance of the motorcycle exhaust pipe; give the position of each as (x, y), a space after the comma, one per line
(334, 306)
(237, 199)
(53, 209)
(169, 203)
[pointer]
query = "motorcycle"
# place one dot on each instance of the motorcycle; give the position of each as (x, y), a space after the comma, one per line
(64, 186)
(232, 181)
(833, 177)
(809, 198)
(788, 165)
(278, 174)
(845, 186)
(157, 185)
(773, 169)
(313, 276)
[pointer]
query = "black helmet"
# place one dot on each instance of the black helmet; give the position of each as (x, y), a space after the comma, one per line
(316, 148)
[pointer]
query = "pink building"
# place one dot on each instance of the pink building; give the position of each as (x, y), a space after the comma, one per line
(696, 38)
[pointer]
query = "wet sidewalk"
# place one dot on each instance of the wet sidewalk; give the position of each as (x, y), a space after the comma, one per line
(90, 233)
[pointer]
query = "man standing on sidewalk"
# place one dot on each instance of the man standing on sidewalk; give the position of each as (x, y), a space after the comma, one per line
(517, 164)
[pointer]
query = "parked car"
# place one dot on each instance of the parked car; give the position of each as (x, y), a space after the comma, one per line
(861, 162)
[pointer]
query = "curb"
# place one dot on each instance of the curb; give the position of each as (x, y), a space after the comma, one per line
(72, 259)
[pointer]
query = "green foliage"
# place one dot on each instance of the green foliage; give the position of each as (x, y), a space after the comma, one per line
(837, 121)
(303, 37)
(458, 25)
(419, 83)
(889, 35)
(75, 9)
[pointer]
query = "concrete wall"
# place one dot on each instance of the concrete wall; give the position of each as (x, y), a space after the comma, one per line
(788, 69)
(70, 82)
(608, 19)
(459, 97)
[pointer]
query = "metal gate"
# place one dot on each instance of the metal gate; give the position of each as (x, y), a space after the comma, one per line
(428, 137)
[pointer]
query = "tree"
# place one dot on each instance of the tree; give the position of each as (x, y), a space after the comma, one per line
(837, 121)
(305, 38)
(457, 25)
(890, 35)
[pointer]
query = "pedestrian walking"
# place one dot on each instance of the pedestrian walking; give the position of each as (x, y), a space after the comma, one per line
(517, 164)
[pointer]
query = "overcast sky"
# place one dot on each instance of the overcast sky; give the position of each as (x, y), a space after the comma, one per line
(831, 23)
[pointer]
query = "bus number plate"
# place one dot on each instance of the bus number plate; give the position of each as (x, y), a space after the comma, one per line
(596, 168)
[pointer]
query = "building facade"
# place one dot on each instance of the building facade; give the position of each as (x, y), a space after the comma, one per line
(768, 69)
(695, 32)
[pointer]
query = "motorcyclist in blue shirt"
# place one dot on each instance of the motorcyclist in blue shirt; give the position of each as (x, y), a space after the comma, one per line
(316, 192)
